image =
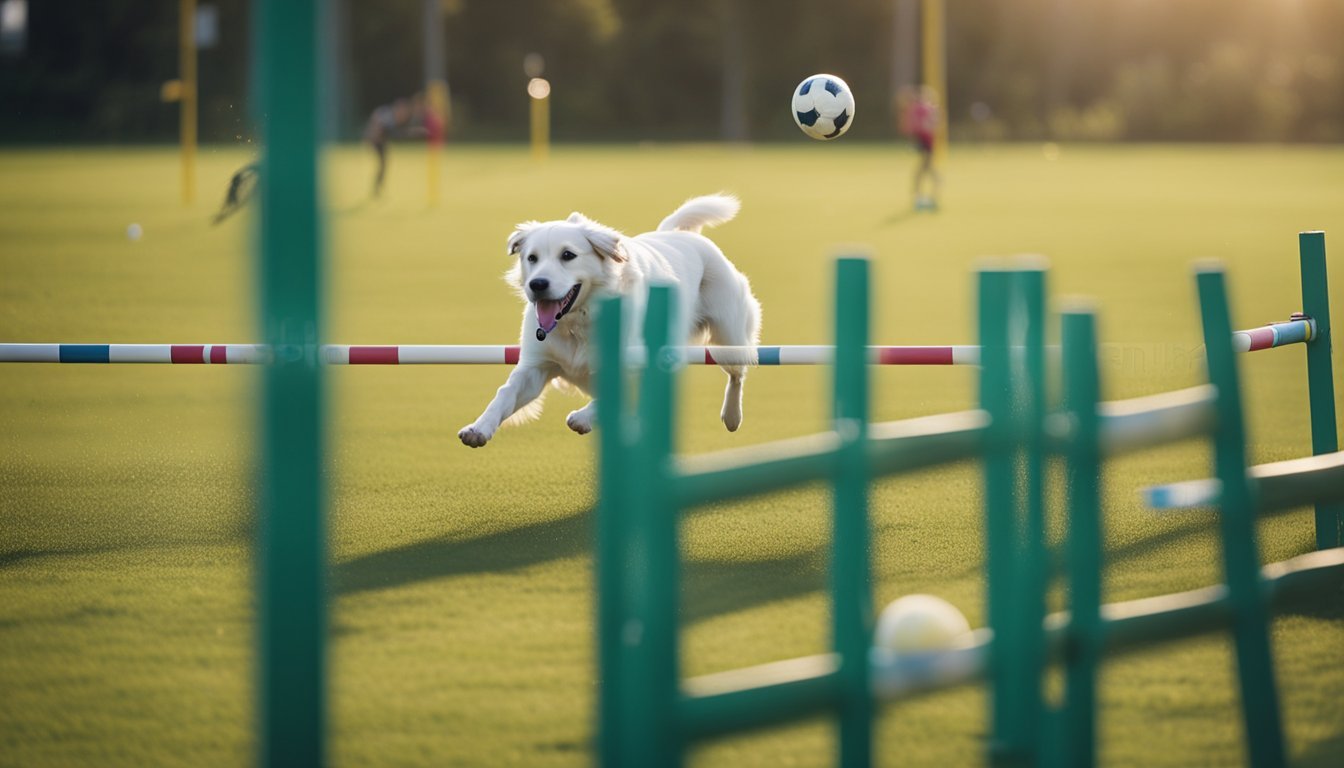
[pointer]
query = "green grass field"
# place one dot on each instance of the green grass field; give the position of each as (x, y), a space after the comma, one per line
(461, 580)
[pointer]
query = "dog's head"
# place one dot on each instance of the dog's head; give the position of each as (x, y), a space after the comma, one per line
(563, 264)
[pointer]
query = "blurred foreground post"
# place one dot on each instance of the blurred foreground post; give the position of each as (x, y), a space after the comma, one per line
(186, 29)
(933, 47)
(436, 92)
(1320, 376)
(539, 91)
(291, 557)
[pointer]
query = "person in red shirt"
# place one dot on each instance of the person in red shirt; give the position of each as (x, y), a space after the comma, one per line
(919, 120)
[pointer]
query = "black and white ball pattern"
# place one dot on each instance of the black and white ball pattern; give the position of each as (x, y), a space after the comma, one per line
(823, 106)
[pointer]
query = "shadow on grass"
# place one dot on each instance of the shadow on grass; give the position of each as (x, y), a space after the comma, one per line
(714, 587)
(1149, 545)
(18, 558)
(899, 217)
(1325, 752)
(1186, 530)
(448, 556)
(710, 587)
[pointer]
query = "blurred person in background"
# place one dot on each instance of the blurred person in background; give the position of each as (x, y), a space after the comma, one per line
(401, 118)
(918, 110)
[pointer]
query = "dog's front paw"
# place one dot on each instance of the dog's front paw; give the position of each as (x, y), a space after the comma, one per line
(581, 421)
(472, 437)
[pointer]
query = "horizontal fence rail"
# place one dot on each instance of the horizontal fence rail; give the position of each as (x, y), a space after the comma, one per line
(1279, 486)
(796, 688)
(1251, 340)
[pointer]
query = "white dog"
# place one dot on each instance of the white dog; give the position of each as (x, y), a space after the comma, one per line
(564, 265)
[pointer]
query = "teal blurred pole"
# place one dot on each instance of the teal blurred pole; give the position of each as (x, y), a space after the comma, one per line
(1082, 391)
(1006, 745)
(612, 567)
(1236, 520)
(292, 618)
(1320, 376)
(851, 588)
(1034, 564)
(654, 732)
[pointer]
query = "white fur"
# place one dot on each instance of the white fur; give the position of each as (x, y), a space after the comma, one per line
(714, 303)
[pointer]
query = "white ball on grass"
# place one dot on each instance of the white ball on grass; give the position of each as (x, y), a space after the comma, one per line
(134, 231)
(920, 624)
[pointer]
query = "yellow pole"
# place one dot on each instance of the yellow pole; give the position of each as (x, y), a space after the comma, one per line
(540, 91)
(934, 66)
(436, 101)
(187, 64)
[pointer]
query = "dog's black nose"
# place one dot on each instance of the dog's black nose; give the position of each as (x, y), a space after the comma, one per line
(539, 284)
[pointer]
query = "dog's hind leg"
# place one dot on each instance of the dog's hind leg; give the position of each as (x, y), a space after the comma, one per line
(731, 413)
(582, 420)
(736, 322)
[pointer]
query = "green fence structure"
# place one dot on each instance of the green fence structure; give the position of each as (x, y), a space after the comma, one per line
(650, 715)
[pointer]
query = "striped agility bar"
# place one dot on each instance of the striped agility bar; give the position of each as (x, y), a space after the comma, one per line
(456, 354)
(1299, 330)
(135, 353)
(1296, 331)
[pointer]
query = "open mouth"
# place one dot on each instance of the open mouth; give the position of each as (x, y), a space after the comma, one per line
(550, 311)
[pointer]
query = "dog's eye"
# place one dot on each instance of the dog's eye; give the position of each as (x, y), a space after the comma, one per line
(567, 256)
(532, 258)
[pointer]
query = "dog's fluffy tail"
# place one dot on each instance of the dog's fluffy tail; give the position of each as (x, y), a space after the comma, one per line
(699, 212)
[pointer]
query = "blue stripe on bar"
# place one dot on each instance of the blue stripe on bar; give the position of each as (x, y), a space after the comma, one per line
(767, 356)
(1291, 333)
(84, 353)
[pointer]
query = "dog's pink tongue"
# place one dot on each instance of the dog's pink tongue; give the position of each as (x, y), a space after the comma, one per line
(546, 312)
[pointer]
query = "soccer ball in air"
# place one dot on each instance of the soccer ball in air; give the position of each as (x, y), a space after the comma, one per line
(823, 106)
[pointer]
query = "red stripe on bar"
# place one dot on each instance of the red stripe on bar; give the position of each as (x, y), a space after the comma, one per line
(188, 353)
(914, 355)
(511, 355)
(219, 354)
(373, 356)
(709, 359)
(1261, 338)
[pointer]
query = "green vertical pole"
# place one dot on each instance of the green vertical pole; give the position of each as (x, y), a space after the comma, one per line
(1236, 519)
(851, 590)
(654, 730)
(1082, 391)
(1034, 563)
(1320, 376)
(611, 566)
(291, 568)
(996, 398)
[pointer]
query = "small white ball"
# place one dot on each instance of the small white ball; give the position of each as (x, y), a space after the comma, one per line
(919, 624)
(134, 231)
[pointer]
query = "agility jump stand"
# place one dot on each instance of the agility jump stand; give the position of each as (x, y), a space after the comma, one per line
(1320, 393)
(649, 715)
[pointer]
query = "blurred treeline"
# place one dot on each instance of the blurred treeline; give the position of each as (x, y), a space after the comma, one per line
(1184, 70)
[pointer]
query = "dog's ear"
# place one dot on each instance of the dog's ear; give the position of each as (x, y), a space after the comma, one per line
(577, 218)
(516, 239)
(606, 241)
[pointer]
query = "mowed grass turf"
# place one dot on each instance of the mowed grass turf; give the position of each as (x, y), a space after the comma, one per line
(461, 580)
